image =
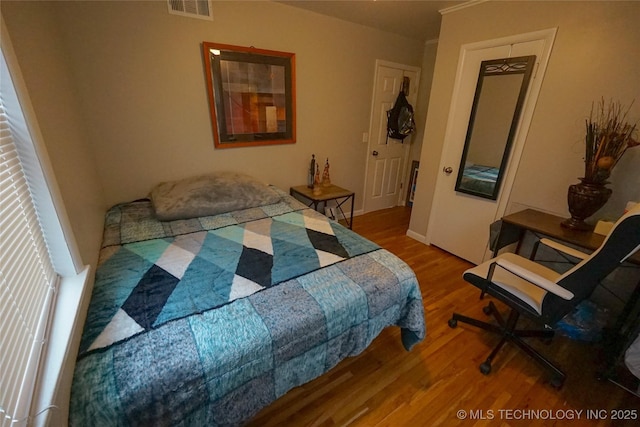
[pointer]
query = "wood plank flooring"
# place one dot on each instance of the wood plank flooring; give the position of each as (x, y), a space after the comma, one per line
(438, 383)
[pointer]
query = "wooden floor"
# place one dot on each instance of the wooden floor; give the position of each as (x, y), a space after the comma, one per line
(438, 383)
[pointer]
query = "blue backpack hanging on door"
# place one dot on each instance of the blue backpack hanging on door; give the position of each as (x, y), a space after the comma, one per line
(400, 122)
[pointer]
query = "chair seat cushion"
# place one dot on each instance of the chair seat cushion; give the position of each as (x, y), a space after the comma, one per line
(529, 293)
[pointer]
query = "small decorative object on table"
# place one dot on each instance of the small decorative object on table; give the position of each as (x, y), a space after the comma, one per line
(608, 136)
(316, 182)
(312, 170)
(326, 179)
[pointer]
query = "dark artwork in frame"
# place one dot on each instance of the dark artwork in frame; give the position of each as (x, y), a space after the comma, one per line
(251, 95)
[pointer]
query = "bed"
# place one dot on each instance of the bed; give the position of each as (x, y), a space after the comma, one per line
(206, 320)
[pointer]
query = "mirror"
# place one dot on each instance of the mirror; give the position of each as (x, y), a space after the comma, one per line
(251, 95)
(499, 97)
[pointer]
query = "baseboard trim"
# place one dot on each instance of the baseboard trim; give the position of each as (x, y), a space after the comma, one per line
(419, 237)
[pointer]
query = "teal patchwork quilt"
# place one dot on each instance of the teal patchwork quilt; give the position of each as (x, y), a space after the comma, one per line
(208, 320)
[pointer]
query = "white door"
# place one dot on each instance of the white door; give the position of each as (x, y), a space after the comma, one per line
(459, 223)
(386, 158)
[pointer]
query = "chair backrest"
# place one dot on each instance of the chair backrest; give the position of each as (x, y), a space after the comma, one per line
(622, 242)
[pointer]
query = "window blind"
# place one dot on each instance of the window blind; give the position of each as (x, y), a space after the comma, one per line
(28, 284)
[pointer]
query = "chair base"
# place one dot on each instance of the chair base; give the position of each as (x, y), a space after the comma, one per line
(507, 330)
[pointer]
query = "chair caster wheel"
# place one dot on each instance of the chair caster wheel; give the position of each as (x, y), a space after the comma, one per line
(485, 368)
(452, 323)
(557, 382)
(486, 309)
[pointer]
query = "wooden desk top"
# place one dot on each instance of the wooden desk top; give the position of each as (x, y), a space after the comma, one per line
(549, 225)
(328, 193)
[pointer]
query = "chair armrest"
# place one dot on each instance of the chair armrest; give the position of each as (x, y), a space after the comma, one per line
(562, 248)
(535, 279)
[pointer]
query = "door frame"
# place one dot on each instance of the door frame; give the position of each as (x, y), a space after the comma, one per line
(548, 35)
(406, 147)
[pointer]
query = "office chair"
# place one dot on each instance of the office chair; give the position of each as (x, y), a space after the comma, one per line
(543, 295)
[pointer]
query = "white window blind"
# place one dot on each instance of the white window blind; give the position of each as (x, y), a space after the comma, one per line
(28, 284)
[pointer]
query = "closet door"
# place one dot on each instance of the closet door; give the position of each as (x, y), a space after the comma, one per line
(387, 158)
(459, 222)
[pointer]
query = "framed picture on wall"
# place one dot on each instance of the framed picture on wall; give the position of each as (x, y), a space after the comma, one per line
(251, 95)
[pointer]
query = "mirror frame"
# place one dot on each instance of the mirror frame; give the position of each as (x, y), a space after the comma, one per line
(219, 112)
(496, 67)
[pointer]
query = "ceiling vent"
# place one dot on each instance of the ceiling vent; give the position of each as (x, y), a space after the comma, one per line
(192, 8)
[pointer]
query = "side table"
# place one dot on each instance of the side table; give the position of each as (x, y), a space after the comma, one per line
(332, 192)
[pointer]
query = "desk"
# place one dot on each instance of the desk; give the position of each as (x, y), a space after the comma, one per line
(515, 226)
(332, 192)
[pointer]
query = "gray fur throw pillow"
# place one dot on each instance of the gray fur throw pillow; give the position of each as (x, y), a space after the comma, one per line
(209, 194)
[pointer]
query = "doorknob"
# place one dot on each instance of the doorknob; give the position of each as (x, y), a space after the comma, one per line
(447, 170)
(375, 153)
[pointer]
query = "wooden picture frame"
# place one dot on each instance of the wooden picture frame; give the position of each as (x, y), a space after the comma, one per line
(252, 96)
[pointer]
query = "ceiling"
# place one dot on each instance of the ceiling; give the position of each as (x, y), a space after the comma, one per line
(416, 19)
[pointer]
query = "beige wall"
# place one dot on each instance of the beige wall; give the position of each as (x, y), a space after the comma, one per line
(138, 75)
(51, 90)
(420, 110)
(594, 56)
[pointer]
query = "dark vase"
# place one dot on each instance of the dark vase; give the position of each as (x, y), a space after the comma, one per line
(584, 200)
